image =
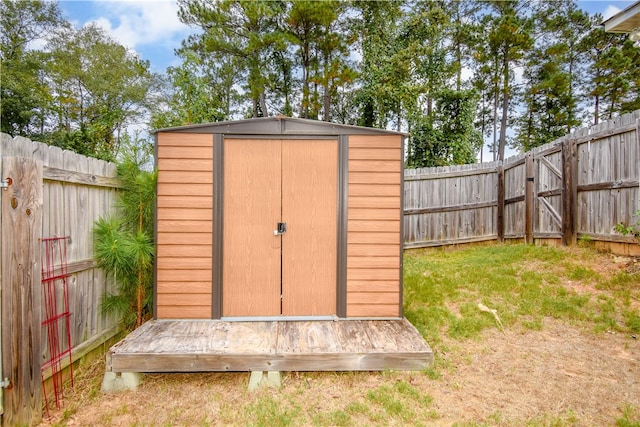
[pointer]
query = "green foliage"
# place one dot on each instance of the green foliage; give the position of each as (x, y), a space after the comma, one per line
(553, 73)
(23, 92)
(391, 64)
(630, 230)
(630, 417)
(80, 92)
(124, 246)
(196, 95)
(101, 87)
(448, 136)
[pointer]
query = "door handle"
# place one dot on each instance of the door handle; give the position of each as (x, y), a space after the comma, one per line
(282, 228)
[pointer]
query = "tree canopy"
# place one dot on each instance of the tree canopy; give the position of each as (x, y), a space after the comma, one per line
(455, 74)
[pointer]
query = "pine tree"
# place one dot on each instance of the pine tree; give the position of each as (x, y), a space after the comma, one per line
(123, 243)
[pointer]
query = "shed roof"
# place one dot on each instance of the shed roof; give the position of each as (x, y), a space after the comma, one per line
(625, 21)
(278, 125)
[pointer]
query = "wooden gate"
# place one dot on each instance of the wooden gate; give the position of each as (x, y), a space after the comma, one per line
(554, 189)
(548, 193)
(291, 272)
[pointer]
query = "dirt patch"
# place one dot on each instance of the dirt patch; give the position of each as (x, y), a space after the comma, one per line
(559, 372)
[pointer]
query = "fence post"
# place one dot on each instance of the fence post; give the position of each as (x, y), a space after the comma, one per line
(529, 177)
(501, 196)
(569, 191)
(21, 290)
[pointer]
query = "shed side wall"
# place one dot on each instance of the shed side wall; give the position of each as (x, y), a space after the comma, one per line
(184, 226)
(373, 224)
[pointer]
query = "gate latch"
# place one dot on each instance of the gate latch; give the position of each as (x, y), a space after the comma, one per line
(282, 228)
(5, 183)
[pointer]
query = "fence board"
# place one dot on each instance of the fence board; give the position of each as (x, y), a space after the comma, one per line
(21, 293)
(545, 196)
(75, 192)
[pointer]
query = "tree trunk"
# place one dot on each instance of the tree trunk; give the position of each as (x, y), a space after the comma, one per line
(327, 90)
(263, 104)
(494, 151)
(505, 107)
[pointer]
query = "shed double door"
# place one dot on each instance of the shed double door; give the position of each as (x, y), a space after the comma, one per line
(267, 182)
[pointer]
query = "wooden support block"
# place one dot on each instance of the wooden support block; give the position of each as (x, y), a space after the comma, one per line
(260, 379)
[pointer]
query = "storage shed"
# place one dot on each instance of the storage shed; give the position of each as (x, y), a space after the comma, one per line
(278, 218)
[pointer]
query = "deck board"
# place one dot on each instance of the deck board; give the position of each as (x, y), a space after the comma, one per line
(212, 345)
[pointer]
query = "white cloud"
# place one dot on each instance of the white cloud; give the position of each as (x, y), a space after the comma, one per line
(610, 11)
(140, 23)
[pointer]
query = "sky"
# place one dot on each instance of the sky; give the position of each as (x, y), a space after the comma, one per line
(152, 28)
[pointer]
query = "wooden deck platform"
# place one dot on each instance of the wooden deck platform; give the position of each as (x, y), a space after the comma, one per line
(212, 345)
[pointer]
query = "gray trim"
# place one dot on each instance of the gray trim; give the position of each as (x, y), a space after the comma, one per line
(401, 307)
(280, 137)
(343, 184)
(279, 126)
(275, 318)
(218, 226)
(155, 233)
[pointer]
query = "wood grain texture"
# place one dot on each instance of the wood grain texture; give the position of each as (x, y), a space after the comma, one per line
(372, 310)
(186, 312)
(374, 222)
(183, 213)
(184, 139)
(309, 247)
(192, 275)
(366, 250)
(175, 226)
(21, 289)
(185, 176)
(181, 250)
(185, 299)
(184, 287)
(195, 346)
(363, 297)
(196, 165)
(252, 209)
(185, 152)
(196, 238)
(191, 202)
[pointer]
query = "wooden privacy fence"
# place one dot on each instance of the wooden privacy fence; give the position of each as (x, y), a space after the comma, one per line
(48, 193)
(577, 187)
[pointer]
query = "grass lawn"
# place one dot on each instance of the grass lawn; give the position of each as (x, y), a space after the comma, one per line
(522, 335)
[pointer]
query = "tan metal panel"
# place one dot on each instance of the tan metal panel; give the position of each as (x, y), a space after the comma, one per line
(369, 189)
(184, 287)
(193, 275)
(375, 153)
(309, 247)
(184, 225)
(375, 141)
(170, 238)
(373, 310)
(186, 177)
(251, 254)
(185, 139)
(168, 152)
(183, 312)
